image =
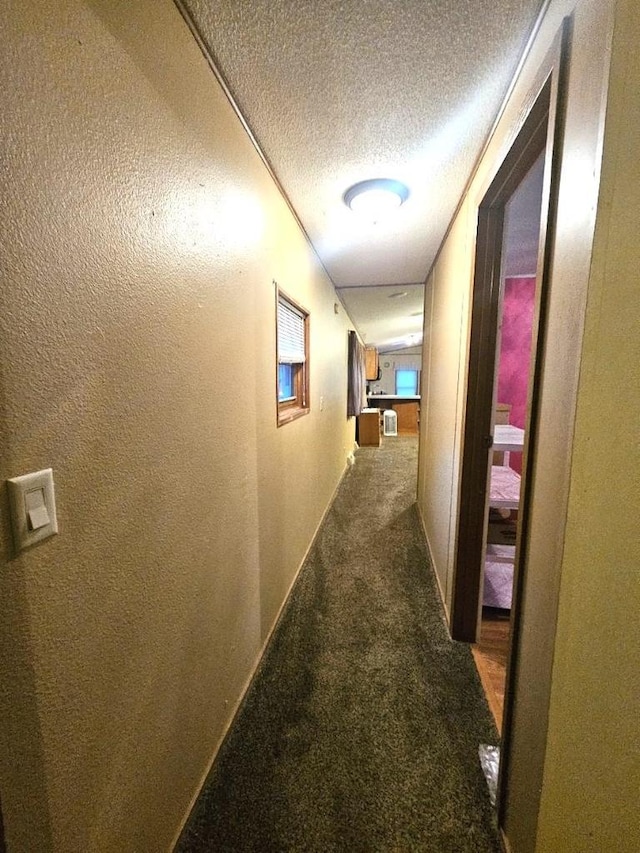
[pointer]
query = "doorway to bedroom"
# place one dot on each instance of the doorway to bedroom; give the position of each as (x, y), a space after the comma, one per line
(511, 394)
(513, 246)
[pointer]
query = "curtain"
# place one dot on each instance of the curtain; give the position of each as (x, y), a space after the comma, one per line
(356, 382)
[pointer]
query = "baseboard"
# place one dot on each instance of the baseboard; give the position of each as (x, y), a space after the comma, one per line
(433, 566)
(238, 704)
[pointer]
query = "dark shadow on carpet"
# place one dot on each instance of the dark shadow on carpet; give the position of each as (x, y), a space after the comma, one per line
(360, 731)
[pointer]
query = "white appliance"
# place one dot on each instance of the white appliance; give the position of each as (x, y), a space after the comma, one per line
(390, 422)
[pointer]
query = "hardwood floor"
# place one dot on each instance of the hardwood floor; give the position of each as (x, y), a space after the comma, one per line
(490, 655)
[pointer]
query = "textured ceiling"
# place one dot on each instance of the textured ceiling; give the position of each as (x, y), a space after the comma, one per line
(340, 91)
(391, 316)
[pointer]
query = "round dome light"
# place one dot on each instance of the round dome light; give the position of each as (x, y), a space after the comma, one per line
(376, 197)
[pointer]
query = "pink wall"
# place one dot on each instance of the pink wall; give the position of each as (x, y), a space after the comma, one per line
(515, 351)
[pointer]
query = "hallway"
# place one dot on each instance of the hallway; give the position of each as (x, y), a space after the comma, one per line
(362, 727)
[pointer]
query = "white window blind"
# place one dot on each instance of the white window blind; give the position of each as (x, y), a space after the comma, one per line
(290, 334)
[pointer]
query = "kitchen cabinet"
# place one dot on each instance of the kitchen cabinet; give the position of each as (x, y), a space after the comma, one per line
(408, 416)
(407, 409)
(369, 428)
(371, 366)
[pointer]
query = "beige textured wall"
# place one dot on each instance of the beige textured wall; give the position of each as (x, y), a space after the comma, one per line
(589, 635)
(592, 768)
(141, 236)
(446, 308)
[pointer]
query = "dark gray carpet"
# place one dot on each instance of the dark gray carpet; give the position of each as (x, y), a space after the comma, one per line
(361, 729)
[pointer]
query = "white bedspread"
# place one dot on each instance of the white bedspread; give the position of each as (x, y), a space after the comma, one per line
(498, 585)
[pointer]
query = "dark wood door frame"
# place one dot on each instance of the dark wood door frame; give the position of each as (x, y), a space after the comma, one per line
(527, 147)
(541, 130)
(556, 70)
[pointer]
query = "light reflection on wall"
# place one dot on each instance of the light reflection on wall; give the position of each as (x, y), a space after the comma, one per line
(228, 221)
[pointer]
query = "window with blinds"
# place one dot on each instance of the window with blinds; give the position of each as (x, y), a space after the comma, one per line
(292, 341)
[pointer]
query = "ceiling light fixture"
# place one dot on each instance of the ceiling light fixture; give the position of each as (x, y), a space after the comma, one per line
(376, 196)
(398, 295)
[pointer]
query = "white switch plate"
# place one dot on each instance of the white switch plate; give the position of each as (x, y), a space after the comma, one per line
(33, 508)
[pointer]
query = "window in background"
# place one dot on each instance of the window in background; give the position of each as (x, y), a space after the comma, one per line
(407, 382)
(285, 382)
(292, 336)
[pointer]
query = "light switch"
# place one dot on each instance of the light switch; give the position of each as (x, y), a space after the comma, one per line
(33, 508)
(37, 515)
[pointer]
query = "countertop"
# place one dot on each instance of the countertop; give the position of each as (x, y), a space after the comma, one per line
(372, 397)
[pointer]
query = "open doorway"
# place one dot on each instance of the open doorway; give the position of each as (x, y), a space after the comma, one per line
(511, 393)
(493, 516)
(481, 413)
